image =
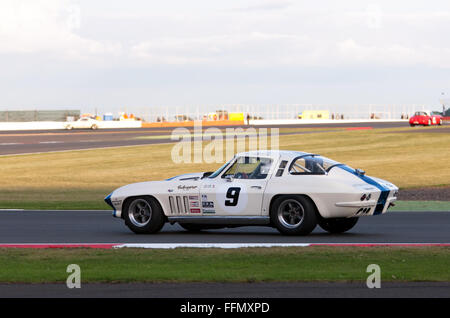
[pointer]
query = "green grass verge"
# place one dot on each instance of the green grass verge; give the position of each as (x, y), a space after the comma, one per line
(219, 265)
(56, 205)
(421, 206)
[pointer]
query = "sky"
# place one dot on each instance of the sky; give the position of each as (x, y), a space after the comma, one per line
(111, 54)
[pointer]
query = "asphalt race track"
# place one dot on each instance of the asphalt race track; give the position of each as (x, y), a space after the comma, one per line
(22, 142)
(101, 227)
(231, 290)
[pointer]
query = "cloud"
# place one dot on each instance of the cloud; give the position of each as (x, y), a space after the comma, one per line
(267, 5)
(271, 50)
(305, 35)
(46, 26)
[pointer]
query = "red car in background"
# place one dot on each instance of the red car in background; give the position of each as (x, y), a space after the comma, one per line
(425, 118)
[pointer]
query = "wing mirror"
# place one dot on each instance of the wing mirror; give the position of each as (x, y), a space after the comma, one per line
(360, 172)
(229, 177)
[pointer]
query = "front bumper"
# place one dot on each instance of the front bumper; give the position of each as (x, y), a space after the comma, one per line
(115, 204)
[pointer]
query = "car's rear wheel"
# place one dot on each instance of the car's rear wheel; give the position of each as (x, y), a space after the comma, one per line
(94, 127)
(293, 215)
(412, 125)
(143, 215)
(337, 225)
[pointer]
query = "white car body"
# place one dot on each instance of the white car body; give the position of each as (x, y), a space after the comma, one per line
(83, 123)
(339, 192)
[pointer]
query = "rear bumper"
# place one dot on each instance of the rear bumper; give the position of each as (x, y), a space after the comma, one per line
(371, 207)
(357, 204)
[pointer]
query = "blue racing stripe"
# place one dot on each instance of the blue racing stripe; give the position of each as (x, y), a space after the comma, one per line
(384, 191)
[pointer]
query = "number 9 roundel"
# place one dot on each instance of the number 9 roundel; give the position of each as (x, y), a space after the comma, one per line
(232, 199)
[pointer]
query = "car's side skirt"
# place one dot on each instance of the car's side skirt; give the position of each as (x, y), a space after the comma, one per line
(226, 220)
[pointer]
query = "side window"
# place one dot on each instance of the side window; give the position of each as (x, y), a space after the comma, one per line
(249, 168)
(310, 165)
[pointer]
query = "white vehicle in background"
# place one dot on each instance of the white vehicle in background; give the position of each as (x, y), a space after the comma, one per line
(289, 190)
(83, 123)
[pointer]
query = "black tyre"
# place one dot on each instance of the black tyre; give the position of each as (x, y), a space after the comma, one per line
(337, 225)
(412, 125)
(143, 215)
(94, 127)
(293, 215)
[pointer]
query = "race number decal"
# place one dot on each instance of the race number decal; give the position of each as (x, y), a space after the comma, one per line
(231, 198)
(233, 195)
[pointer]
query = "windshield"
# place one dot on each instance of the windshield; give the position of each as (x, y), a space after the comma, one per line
(249, 168)
(311, 165)
(219, 171)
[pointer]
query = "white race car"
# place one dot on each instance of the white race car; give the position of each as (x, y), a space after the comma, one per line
(289, 190)
(83, 123)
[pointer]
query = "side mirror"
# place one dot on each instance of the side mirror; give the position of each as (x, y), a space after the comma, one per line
(229, 178)
(360, 172)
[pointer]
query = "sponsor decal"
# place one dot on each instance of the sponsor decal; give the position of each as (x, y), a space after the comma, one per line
(193, 197)
(209, 186)
(195, 211)
(183, 187)
(207, 204)
(204, 197)
(194, 204)
(209, 211)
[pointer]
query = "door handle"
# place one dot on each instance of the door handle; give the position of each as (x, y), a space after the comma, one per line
(256, 187)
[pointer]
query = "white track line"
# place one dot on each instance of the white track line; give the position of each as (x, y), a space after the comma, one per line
(247, 245)
(211, 245)
(83, 149)
(208, 245)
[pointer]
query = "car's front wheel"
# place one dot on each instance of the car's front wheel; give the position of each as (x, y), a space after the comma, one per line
(94, 127)
(143, 215)
(293, 215)
(337, 225)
